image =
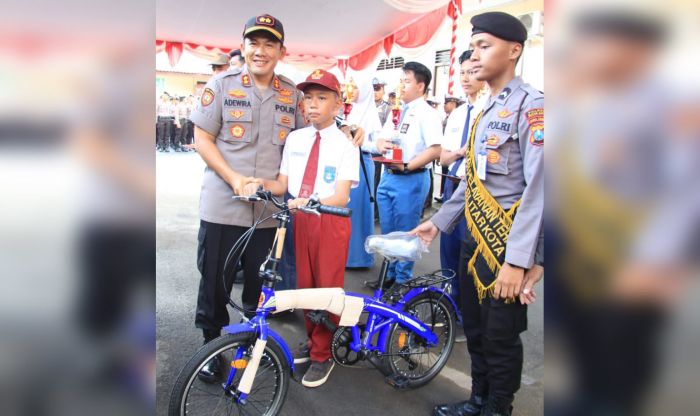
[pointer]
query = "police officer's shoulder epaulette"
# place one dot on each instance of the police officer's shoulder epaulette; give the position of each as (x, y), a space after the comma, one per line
(229, 73)
(286, 80)
(532, 92)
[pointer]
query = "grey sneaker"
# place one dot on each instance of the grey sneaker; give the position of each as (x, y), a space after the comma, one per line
(318, 373)
(302, 354)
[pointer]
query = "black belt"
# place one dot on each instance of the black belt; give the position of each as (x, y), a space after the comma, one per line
(166, 117)
(403, 172)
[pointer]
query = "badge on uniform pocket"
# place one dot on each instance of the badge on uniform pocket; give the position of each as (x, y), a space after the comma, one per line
(329, 174)
(237, 131)
(404, 128)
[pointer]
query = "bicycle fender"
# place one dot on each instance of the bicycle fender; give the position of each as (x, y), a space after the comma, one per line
(413, 293)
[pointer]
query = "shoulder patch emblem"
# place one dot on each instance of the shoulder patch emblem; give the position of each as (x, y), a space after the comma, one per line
(285, 92)
(237, 94)
(237, 131)
(207, 97)
(535, 116)
(276, 83)
(537, 135)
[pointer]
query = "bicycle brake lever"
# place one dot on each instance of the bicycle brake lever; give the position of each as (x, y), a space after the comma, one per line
(309, 211)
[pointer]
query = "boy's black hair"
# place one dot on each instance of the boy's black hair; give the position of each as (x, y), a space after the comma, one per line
(420, 72)
(465, 56)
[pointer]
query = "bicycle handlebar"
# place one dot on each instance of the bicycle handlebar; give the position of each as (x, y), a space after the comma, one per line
(313, 207)
(337, 211)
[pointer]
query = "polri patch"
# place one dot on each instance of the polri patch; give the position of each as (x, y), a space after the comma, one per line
(207, 97)
(237, 131)
(285, 100)
(285, 92)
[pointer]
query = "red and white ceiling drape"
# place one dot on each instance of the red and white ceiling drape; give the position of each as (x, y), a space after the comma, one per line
(415, 35)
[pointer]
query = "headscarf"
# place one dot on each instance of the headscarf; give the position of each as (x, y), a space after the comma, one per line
(364, 111)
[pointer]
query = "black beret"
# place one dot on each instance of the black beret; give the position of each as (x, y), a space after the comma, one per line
(501, 25)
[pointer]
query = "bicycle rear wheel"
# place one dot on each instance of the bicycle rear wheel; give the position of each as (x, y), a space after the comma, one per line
(410, 355)
(192, 396)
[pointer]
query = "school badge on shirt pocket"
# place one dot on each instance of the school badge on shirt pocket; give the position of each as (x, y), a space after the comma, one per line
(329, 174)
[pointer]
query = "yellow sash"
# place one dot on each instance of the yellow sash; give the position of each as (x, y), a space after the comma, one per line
(488, 223)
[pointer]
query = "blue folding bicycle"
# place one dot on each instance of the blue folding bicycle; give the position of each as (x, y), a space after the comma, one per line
(407, 333)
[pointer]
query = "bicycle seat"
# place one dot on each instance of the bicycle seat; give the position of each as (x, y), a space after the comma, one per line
(395, 246)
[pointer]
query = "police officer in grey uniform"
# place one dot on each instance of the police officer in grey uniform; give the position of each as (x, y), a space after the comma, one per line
(164, 123)
(242, 120)
(507, 159)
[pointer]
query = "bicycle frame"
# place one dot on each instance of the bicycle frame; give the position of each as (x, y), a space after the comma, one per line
(380, 319)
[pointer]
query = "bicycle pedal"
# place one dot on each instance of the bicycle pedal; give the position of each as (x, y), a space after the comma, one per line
(398, 381)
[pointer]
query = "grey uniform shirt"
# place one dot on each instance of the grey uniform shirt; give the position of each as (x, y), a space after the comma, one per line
(250, 127)
(511, 134)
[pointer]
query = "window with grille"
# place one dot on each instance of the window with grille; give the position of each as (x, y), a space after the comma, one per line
(442, 58)
(390, 63)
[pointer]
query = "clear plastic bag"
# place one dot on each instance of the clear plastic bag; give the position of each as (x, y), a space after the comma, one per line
(396, 246)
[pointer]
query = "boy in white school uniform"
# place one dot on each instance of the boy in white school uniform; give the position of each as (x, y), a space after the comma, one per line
(319, 159)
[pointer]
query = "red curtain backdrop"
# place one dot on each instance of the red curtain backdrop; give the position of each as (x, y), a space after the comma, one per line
(414, 35)
(421, 31)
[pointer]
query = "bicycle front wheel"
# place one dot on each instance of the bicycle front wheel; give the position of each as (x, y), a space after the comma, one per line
(193, 396)
(410, 355)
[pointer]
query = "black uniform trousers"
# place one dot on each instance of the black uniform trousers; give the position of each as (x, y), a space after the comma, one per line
(493, 332)
(164, 129)
(190, 132)
(215, 242)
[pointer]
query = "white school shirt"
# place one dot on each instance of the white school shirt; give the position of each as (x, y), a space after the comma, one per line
(338, 160)
(420, 128)
(454, 129)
